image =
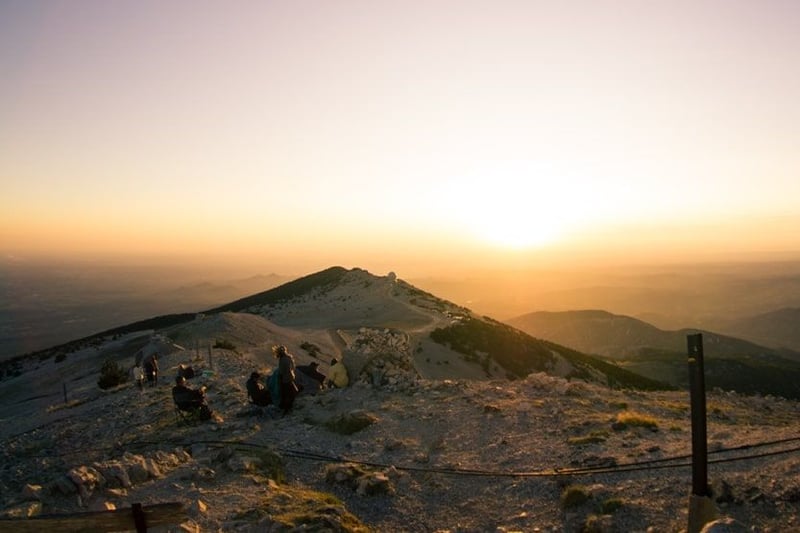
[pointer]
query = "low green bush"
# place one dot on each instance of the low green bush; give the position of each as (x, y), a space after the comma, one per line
(111, 375)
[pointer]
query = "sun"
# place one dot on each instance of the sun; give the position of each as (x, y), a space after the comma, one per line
(517, 232)
(510, 214)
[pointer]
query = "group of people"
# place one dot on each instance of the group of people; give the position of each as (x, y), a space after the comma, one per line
(288, 380)
(147, 369)
(280, 388)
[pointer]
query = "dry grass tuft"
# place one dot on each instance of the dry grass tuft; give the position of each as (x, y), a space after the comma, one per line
(636, 419)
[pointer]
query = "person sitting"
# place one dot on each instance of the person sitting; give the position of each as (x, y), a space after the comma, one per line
(257, 392)
(311, 370)
(190, 400)
(308, 379)
(337, 376)
(186, 371)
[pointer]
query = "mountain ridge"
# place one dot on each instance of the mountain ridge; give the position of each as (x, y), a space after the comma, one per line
(732, 364)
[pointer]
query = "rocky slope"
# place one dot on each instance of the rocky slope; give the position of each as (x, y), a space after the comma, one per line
(431, 455)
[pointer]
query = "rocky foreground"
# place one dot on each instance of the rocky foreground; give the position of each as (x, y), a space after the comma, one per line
(540, 454)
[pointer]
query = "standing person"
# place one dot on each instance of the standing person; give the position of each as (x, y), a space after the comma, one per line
(151, 369)
(287, 378)
(337, 375)
(138, 376)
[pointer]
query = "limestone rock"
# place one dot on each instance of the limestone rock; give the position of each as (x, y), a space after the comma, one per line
(724, 525)
(87, 479)
(32, 492)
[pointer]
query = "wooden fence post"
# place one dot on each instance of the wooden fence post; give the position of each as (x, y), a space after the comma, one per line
(138, 517)
(701, 508)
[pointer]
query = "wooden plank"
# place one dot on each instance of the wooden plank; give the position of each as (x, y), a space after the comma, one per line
(160, 514)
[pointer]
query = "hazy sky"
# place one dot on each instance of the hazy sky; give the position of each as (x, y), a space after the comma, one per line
(398, 134)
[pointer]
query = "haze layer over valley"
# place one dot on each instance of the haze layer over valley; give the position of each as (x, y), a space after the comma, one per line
(44, 304)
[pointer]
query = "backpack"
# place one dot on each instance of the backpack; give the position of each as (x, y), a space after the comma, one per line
(274, 386)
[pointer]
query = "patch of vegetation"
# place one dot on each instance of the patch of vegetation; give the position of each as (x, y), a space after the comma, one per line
(481, 340)
(321, 282)
(223, 344)
(611, 505)
(111, 375)
(675, 406)
(617, 377)
(60, 357)
(73, 403)
(594, 437)
(594, 524)
(573, 496)
(311, 349)
(635, 419)
(294, 509)
(347, 424)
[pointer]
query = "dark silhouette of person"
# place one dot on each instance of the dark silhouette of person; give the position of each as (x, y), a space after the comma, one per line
(151, 369)
(257, 392)
(188, 399)
(289, 388)
(311, 370)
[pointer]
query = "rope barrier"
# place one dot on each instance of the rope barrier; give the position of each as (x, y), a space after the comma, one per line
(651, 464)
(654, 464)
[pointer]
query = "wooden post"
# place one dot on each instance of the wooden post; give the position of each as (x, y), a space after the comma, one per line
(697, 385)
(137, 517)
(701, 508)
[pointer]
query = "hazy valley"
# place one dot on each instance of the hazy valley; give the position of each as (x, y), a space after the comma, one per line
(45, 304)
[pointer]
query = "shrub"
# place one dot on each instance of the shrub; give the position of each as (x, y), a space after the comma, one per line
(111, 375)
(312, 349)
(634, 419)
(61, 356)
(347, 424)
(573, 496)
(610, 505)
(224, 345)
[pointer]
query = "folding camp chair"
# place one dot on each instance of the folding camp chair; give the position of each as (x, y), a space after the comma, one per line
(188, 417)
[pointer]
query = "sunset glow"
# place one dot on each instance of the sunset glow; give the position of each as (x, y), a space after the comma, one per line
(322, 132)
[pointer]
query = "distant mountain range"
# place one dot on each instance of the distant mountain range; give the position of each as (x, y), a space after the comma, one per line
(732, 364)
(780, 329)
(327, 309)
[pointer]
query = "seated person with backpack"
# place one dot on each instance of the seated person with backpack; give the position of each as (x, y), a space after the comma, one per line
(257, 392)
(190, 400)
(309, 379)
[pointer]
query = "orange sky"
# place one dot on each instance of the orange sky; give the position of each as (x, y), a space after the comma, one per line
(399, 135)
